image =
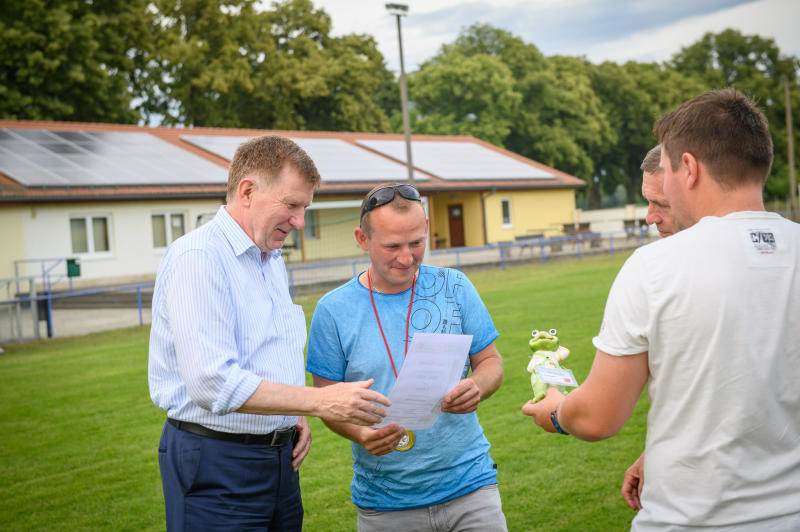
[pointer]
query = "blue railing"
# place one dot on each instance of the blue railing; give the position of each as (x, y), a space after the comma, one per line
(47, 297)
(337, 271)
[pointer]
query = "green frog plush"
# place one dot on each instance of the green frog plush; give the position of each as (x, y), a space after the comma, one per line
(545, 352)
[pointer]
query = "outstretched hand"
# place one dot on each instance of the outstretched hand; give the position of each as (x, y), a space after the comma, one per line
(540, 411)
(351, 402)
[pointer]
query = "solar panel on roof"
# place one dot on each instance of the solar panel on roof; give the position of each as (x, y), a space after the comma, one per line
(336, 160)
(38, 157)
(458, 160)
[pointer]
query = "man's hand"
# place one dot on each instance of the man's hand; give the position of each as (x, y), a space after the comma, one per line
(633, 483)
(382, 440)
(303, 443)
(462, 399)
(350, 402)
(541, 411)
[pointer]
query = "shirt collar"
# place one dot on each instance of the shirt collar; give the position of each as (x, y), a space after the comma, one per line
(238, 239)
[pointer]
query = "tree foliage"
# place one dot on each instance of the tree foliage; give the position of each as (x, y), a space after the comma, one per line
(753, 65)
(224, 63)
(464, 95)
(633, 96)
(70, 60)
(190, 62)
(550, 111)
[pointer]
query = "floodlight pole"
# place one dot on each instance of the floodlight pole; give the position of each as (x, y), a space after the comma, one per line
(400, 10)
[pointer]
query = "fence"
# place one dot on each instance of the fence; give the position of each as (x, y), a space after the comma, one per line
(28, 314)
(31, 315)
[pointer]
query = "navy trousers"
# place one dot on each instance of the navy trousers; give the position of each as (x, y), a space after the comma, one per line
(218, 485)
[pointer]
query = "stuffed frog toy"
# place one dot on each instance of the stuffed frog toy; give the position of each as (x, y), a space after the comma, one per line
(545, 352)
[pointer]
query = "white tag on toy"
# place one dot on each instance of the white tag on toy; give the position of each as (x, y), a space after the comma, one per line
(556, 376)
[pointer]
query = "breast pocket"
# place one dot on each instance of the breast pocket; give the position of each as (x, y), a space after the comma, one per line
(291, 332)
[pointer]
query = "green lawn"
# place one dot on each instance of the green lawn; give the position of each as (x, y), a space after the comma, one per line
(79, 432)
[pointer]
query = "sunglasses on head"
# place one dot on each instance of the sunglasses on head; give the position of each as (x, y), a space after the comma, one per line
(385, 195)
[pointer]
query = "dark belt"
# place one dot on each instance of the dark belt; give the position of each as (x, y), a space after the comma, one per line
(275, 438)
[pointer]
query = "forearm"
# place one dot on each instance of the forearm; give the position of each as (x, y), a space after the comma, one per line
(488, 376)
(576, 417)
(282, 399)
(346, 430)
(599, 408)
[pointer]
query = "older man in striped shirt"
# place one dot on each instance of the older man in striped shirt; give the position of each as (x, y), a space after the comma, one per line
(226, 355)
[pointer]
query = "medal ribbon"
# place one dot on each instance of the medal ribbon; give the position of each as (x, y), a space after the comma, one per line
(413, 284)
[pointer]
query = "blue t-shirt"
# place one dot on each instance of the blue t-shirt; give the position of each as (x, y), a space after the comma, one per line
(447, 460)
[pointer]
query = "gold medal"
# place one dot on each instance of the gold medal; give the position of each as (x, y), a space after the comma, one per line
(406, 442)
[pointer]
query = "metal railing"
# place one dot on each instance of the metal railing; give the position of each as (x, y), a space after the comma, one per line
(46, 275)
(318, 277)
(15, 304)
(41, 304)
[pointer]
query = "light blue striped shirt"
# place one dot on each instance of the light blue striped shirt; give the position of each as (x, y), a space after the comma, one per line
(223, 320)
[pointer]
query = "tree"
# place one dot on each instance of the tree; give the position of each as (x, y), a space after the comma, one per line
(70, 60)
(455, 94)
(558, 119)
(224, 63)
(517, 55)
(562, 123)
(751, 64)
(633, 96)
(202, 60)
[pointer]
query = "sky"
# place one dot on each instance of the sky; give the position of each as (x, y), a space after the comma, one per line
(600, 30)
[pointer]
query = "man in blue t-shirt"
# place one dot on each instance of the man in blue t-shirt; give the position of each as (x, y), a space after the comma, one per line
(441, 478)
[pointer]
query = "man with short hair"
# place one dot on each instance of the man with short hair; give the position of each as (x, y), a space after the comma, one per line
(226, 355)
(710, 319)
(658, 209)
(441, 478)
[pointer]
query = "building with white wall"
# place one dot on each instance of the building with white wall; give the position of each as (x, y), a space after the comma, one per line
(114, 196)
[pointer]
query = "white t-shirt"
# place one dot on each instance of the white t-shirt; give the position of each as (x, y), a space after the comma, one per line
(717, 307)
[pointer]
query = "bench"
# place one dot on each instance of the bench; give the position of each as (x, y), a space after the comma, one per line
(584, 229)
(528, 242)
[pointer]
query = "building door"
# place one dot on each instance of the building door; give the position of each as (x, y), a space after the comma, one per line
(455, 215)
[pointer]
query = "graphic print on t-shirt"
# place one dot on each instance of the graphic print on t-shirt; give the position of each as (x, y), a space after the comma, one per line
(427, 314)
(763, 240)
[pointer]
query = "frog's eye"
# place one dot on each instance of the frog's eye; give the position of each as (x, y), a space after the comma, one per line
(553, 332)
(534, 332)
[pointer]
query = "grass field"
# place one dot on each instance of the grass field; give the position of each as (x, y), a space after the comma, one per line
(78, 432)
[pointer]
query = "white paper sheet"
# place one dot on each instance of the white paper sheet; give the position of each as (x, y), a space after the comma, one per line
(432, 368)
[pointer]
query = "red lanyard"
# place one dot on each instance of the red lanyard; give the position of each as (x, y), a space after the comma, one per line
(413, 284)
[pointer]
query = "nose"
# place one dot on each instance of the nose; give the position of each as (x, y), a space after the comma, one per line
(298, 220)
(652, 217)
(406, 258)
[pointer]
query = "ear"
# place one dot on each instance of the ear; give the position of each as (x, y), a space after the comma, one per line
(692, 169)
(245, 191)
(361, 238)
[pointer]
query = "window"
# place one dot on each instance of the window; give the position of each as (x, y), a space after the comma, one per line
(89, 234)
(167, 227)
(505, 205)
(312, 227)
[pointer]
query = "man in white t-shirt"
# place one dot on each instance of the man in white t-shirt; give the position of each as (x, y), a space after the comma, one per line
(709, 319)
